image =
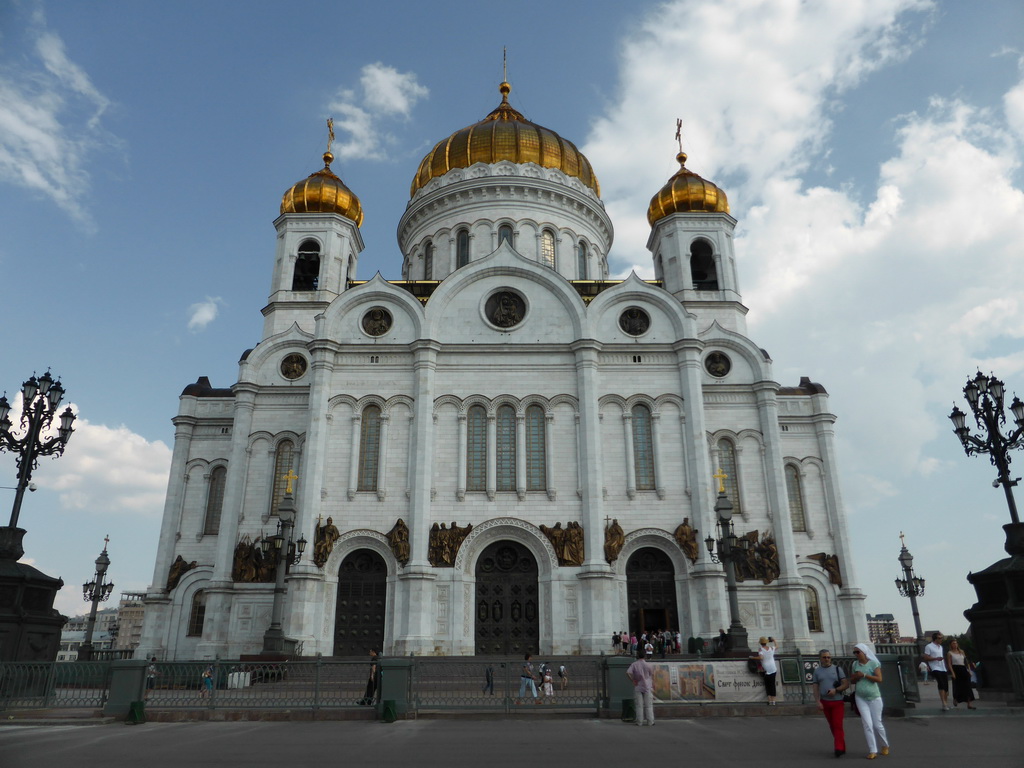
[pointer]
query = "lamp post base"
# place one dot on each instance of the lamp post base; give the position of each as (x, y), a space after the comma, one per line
(276, 646)
(739, 643)
(29, 624)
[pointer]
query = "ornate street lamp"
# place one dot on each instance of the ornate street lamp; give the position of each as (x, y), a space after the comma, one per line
(95, 592)
(284, 552)
(40, 399)
(911, 585)
(728, 549)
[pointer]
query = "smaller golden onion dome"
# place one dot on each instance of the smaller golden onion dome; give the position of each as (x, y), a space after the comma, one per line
(504, 135)
(323, 192)
(686, 192)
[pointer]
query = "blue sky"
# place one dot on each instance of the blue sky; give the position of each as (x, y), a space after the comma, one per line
(871, 150)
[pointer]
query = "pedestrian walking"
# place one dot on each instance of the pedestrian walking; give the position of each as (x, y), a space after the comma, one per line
(829, 683)
(866, 675)
(207, 682)
(563, 677)
(642, 675)
(370, 694)
(959, 671)
(489, 680)
(936, 659)
(526, 679)
(548, 685)
(151, 673)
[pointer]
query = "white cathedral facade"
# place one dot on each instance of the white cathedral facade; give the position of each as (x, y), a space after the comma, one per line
(503, 450)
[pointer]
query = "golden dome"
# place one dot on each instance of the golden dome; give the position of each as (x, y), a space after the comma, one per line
(505, 135)
(323, 192)
(685, 192)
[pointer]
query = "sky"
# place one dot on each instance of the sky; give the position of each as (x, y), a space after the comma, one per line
(871, 151)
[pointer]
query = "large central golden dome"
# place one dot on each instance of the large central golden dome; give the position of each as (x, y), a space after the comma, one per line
(505, 135)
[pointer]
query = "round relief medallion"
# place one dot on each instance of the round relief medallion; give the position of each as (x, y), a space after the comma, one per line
(634, 321)
(293, 366)
(717, 364)
(505, 309)
(377, 321)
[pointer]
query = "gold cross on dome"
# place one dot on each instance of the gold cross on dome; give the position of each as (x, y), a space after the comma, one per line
(902, 542)
(720, 476)
(679, 133)
(289, 477)
(330, 133)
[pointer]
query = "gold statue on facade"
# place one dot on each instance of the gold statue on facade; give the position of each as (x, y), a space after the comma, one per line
(567, 542)
(686, 537)
(443, 544)
(762, 558)
(614, 540)
(249, 566)
(178, 569)
(324, 537)
(831, 565)
(398, 538)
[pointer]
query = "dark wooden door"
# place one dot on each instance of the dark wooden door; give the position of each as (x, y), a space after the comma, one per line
(507, 607)
(362, 599)
(651, 591)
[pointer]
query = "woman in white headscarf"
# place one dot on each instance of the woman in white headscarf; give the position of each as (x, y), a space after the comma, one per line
(866, 675)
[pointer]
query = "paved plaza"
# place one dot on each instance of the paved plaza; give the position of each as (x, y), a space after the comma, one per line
(990, 740)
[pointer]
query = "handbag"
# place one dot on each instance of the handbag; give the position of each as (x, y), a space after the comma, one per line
(847, 697)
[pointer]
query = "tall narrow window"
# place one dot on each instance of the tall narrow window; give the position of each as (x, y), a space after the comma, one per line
(727, 463)
(369, 449)
(307, 267)
(547, 248)
(796, 503)
(461, 248)
(476, 449)
(813, 611)
(428, 261)
(197, 614)
(536, 450)
(702, 266)
(506, 448)
(282, 466)
(215, 501)
(581, 261)
(505, 234)
(643, 448)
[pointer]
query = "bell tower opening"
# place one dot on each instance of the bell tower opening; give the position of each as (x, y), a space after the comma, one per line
(306, 276)
(702, 266)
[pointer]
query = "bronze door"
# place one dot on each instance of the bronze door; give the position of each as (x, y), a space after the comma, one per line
(507, 608)
(651, 591)
(362, 597)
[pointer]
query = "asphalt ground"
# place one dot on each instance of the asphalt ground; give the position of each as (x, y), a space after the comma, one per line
(934, 741)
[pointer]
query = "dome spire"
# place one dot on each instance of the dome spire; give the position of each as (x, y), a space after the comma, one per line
(328, 157)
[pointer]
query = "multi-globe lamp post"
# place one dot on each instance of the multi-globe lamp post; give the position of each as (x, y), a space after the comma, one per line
(911, 585)
(284, 552)
(997, 618)
(95, 592)
(727, 549)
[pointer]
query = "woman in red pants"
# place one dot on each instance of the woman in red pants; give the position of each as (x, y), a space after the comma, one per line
(829, 683)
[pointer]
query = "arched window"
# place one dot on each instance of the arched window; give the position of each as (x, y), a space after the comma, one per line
(702, 266)
(369, 449)
(506, 448)
(282, 466)
(476, 449)
(461, 248)
(581, 261)
(547, 248)
(796, 502)
(643, 448)
(727, 463)
(307, 267)
(505, 234)
(813, 611)
(536, 450)
(428, 261)
(197, 614)
(215, 501)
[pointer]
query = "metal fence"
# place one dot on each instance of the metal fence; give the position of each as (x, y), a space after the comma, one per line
(45, 685)
(497, 685)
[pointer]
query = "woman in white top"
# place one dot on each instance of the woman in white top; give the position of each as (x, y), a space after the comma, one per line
(956, 663)
(766, 656)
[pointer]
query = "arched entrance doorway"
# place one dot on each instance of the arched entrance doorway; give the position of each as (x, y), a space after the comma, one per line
(362, 598)
(507, 608)
(651, 591)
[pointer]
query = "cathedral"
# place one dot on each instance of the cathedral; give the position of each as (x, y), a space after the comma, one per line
(504, 450)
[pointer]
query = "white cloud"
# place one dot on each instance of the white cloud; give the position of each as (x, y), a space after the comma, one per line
(202, 313)
(386, 94)
(50, 123)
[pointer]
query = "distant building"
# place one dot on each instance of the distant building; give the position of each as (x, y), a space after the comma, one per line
(883, 628)
(130, 611)
(103, 636)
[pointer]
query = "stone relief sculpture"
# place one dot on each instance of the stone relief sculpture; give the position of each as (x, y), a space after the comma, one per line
(444, 543)
(686, 537)
(762, 559)
(249, 565)
(324, 537)
(398, 538)
(568, 542)
(178, 569)
(614, 539)
(831, 565)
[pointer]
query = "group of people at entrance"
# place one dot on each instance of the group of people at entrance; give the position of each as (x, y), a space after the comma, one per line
(661, 642)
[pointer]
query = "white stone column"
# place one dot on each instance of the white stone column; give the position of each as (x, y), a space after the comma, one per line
(492, 456)
(353, 464)
(521, 456)
(460, 481)
(627, 438)
(382, 463)
(659, 478)
(549, 456)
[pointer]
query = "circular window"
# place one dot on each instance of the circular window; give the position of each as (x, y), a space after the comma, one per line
(634, 321)
(293, 366)
(505, 309)
(377, 321)
(717, 364)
